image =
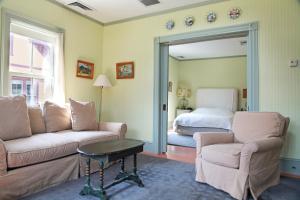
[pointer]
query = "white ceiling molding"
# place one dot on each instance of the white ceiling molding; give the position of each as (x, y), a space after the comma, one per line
(108, 12)
(210, 49)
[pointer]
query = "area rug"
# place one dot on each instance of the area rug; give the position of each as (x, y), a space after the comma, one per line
(164, 180)
(181, 140)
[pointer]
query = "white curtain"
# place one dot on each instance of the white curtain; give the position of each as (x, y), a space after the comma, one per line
(59, 79)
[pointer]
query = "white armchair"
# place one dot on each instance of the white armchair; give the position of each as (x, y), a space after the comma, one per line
(246, 158)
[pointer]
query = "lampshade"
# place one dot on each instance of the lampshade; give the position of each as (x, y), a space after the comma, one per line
(183, 92)
(102, 81)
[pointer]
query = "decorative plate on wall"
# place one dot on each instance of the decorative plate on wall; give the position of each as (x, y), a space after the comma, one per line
(170, 24)
(234, 13)
(211, 17)
(189, 21)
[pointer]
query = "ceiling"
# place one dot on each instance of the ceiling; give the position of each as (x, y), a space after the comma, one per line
(109, 11)
(209, 49)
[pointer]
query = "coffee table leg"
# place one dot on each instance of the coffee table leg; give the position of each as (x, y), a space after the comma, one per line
(102, 193)
(122, 172)
(123, 165)
(87, 187)
(135, 176)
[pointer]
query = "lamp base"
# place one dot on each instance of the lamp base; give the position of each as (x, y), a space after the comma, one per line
(183, 103)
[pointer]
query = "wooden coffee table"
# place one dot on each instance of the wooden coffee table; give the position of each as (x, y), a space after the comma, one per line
(106, 152)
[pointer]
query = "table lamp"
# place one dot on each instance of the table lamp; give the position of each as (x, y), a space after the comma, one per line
(183, 93)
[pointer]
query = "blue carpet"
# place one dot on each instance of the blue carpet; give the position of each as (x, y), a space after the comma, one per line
(164, 180)
(181, 140)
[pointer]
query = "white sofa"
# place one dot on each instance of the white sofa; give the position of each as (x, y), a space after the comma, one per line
(31, 164)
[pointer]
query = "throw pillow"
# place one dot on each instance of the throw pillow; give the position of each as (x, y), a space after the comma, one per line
(57, 118)
(83, 116)
(14, 119)
(37, 123)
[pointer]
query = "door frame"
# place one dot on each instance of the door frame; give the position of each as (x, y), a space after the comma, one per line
(161, 65)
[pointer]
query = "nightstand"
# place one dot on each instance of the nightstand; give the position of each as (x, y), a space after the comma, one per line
(181, 111)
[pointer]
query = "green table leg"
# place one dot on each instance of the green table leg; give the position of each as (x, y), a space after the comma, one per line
(135, 176)
(101, 192)
(122, 172)
(87, 186)
(125, 176)
(88, 189)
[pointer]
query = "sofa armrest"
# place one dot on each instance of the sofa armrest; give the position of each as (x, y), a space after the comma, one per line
(208, 138)
(3, 162)
(259, 152)
(118, 128)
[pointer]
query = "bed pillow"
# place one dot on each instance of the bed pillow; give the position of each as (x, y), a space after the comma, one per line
(57, 118)
(14, 119)
(37, 123)
(83, 116)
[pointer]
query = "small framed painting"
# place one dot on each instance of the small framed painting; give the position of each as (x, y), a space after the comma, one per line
(85, 69)
(125, 70)
(170, 86)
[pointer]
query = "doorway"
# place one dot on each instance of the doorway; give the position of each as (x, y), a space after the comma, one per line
(215, 66)
(161, 79)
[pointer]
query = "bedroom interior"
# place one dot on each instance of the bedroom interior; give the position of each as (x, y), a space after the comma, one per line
(197, 72)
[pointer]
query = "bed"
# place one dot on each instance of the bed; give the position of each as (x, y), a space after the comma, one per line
(214, 112)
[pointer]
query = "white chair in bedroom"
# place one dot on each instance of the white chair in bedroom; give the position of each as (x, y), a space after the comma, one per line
(246, 158)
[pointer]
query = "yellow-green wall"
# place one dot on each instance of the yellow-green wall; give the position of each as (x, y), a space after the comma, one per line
(279, 30)
(213, 73)
(172, 97)
(83, 40)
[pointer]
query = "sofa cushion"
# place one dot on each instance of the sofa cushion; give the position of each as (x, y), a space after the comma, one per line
(38, 148)
(14, 119)
(83, 116)
(37, 123)
(87, 137)
(57, 118)
(227, 155)
(251, 126)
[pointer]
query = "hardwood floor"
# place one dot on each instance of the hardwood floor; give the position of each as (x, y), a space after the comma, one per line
(183, 154)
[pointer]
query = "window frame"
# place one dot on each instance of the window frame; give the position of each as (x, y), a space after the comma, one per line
(9, 17)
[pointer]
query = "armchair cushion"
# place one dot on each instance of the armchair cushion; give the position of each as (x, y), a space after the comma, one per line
(250, 126)
(209, 138)
(227, 155)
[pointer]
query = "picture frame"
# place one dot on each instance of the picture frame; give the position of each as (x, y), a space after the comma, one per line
(170, 86)
(125, 70)
(85, 69)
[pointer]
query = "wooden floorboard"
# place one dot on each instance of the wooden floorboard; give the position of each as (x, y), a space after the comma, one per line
(182, 154)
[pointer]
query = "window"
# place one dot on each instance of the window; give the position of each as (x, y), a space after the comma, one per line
(35, 62)
(16, 87)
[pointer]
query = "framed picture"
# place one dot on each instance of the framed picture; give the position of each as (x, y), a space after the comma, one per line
(170, 86)
(125, 70)
(85, 69)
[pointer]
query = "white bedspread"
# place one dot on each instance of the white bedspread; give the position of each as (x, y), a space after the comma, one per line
(205, 117)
